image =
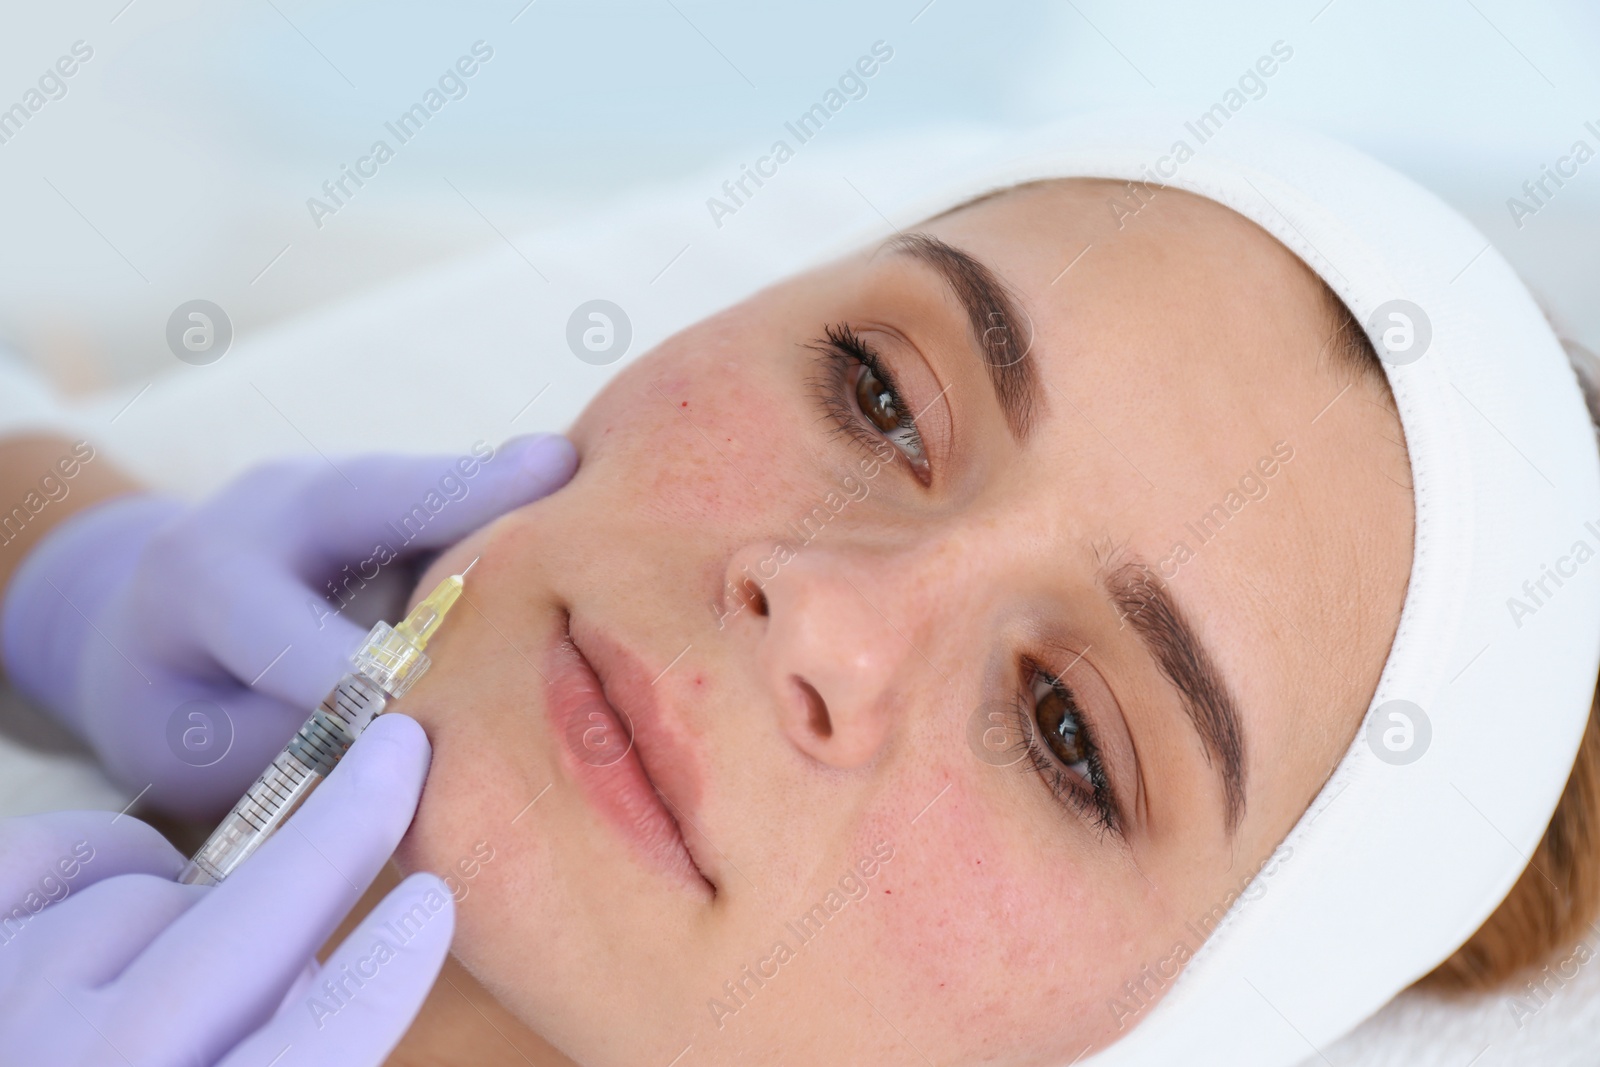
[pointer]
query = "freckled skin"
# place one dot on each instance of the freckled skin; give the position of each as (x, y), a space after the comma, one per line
(1004, 923)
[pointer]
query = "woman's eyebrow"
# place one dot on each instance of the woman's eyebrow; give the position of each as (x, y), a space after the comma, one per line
(1143, 602)
(993, 314)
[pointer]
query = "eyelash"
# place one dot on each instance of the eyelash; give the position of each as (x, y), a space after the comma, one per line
(843, 351)
(1097, 802)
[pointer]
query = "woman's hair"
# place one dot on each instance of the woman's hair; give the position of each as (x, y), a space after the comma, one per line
(1556, 900)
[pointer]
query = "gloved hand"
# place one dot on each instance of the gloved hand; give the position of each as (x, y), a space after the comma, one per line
(126, 966)
(186, 644)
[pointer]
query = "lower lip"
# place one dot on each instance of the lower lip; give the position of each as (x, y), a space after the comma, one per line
(597, 751)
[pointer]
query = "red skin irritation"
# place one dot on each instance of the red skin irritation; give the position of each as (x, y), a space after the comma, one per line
(941, 918)
(694, 480)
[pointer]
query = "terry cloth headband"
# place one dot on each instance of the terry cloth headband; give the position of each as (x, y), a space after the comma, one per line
(1437, 805)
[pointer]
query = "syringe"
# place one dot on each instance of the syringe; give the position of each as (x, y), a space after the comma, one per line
(387, 664)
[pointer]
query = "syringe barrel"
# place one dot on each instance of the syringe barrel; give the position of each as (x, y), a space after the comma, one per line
(308, 758)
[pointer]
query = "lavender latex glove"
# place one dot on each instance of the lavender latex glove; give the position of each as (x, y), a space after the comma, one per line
(186, 644)
(105, 960)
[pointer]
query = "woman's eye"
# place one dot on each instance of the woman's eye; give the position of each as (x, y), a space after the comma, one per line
(1060, 728)
(862, 399)
(881, 405)
(877, 401)
(1060, 746)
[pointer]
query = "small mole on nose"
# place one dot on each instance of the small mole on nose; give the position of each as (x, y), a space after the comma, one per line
(684, 404)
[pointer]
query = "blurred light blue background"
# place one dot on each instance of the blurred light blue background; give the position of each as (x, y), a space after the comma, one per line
(179, 162)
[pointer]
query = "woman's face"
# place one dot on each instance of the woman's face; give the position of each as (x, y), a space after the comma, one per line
(985, 606)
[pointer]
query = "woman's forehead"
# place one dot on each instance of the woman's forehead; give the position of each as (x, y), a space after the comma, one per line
(1190, 324)
(1060, 243)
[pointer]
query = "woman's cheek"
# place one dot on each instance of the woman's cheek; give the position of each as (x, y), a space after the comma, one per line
(977, 935)
(486, 763)
(699, 437)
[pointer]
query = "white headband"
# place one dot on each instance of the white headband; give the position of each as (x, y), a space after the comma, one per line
(1399, 859)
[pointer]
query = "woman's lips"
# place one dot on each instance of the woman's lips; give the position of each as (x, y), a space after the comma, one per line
(600, 750)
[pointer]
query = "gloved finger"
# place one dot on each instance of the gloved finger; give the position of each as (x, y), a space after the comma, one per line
(284, 902)
(370, 989)
(274, 633)
(301, 984)
(112, 922)
(45, 858)
(407, 504)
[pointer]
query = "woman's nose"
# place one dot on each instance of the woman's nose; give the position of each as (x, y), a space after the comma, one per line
(834, 662)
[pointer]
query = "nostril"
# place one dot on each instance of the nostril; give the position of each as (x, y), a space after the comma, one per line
(816, 710)
(753, 597)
